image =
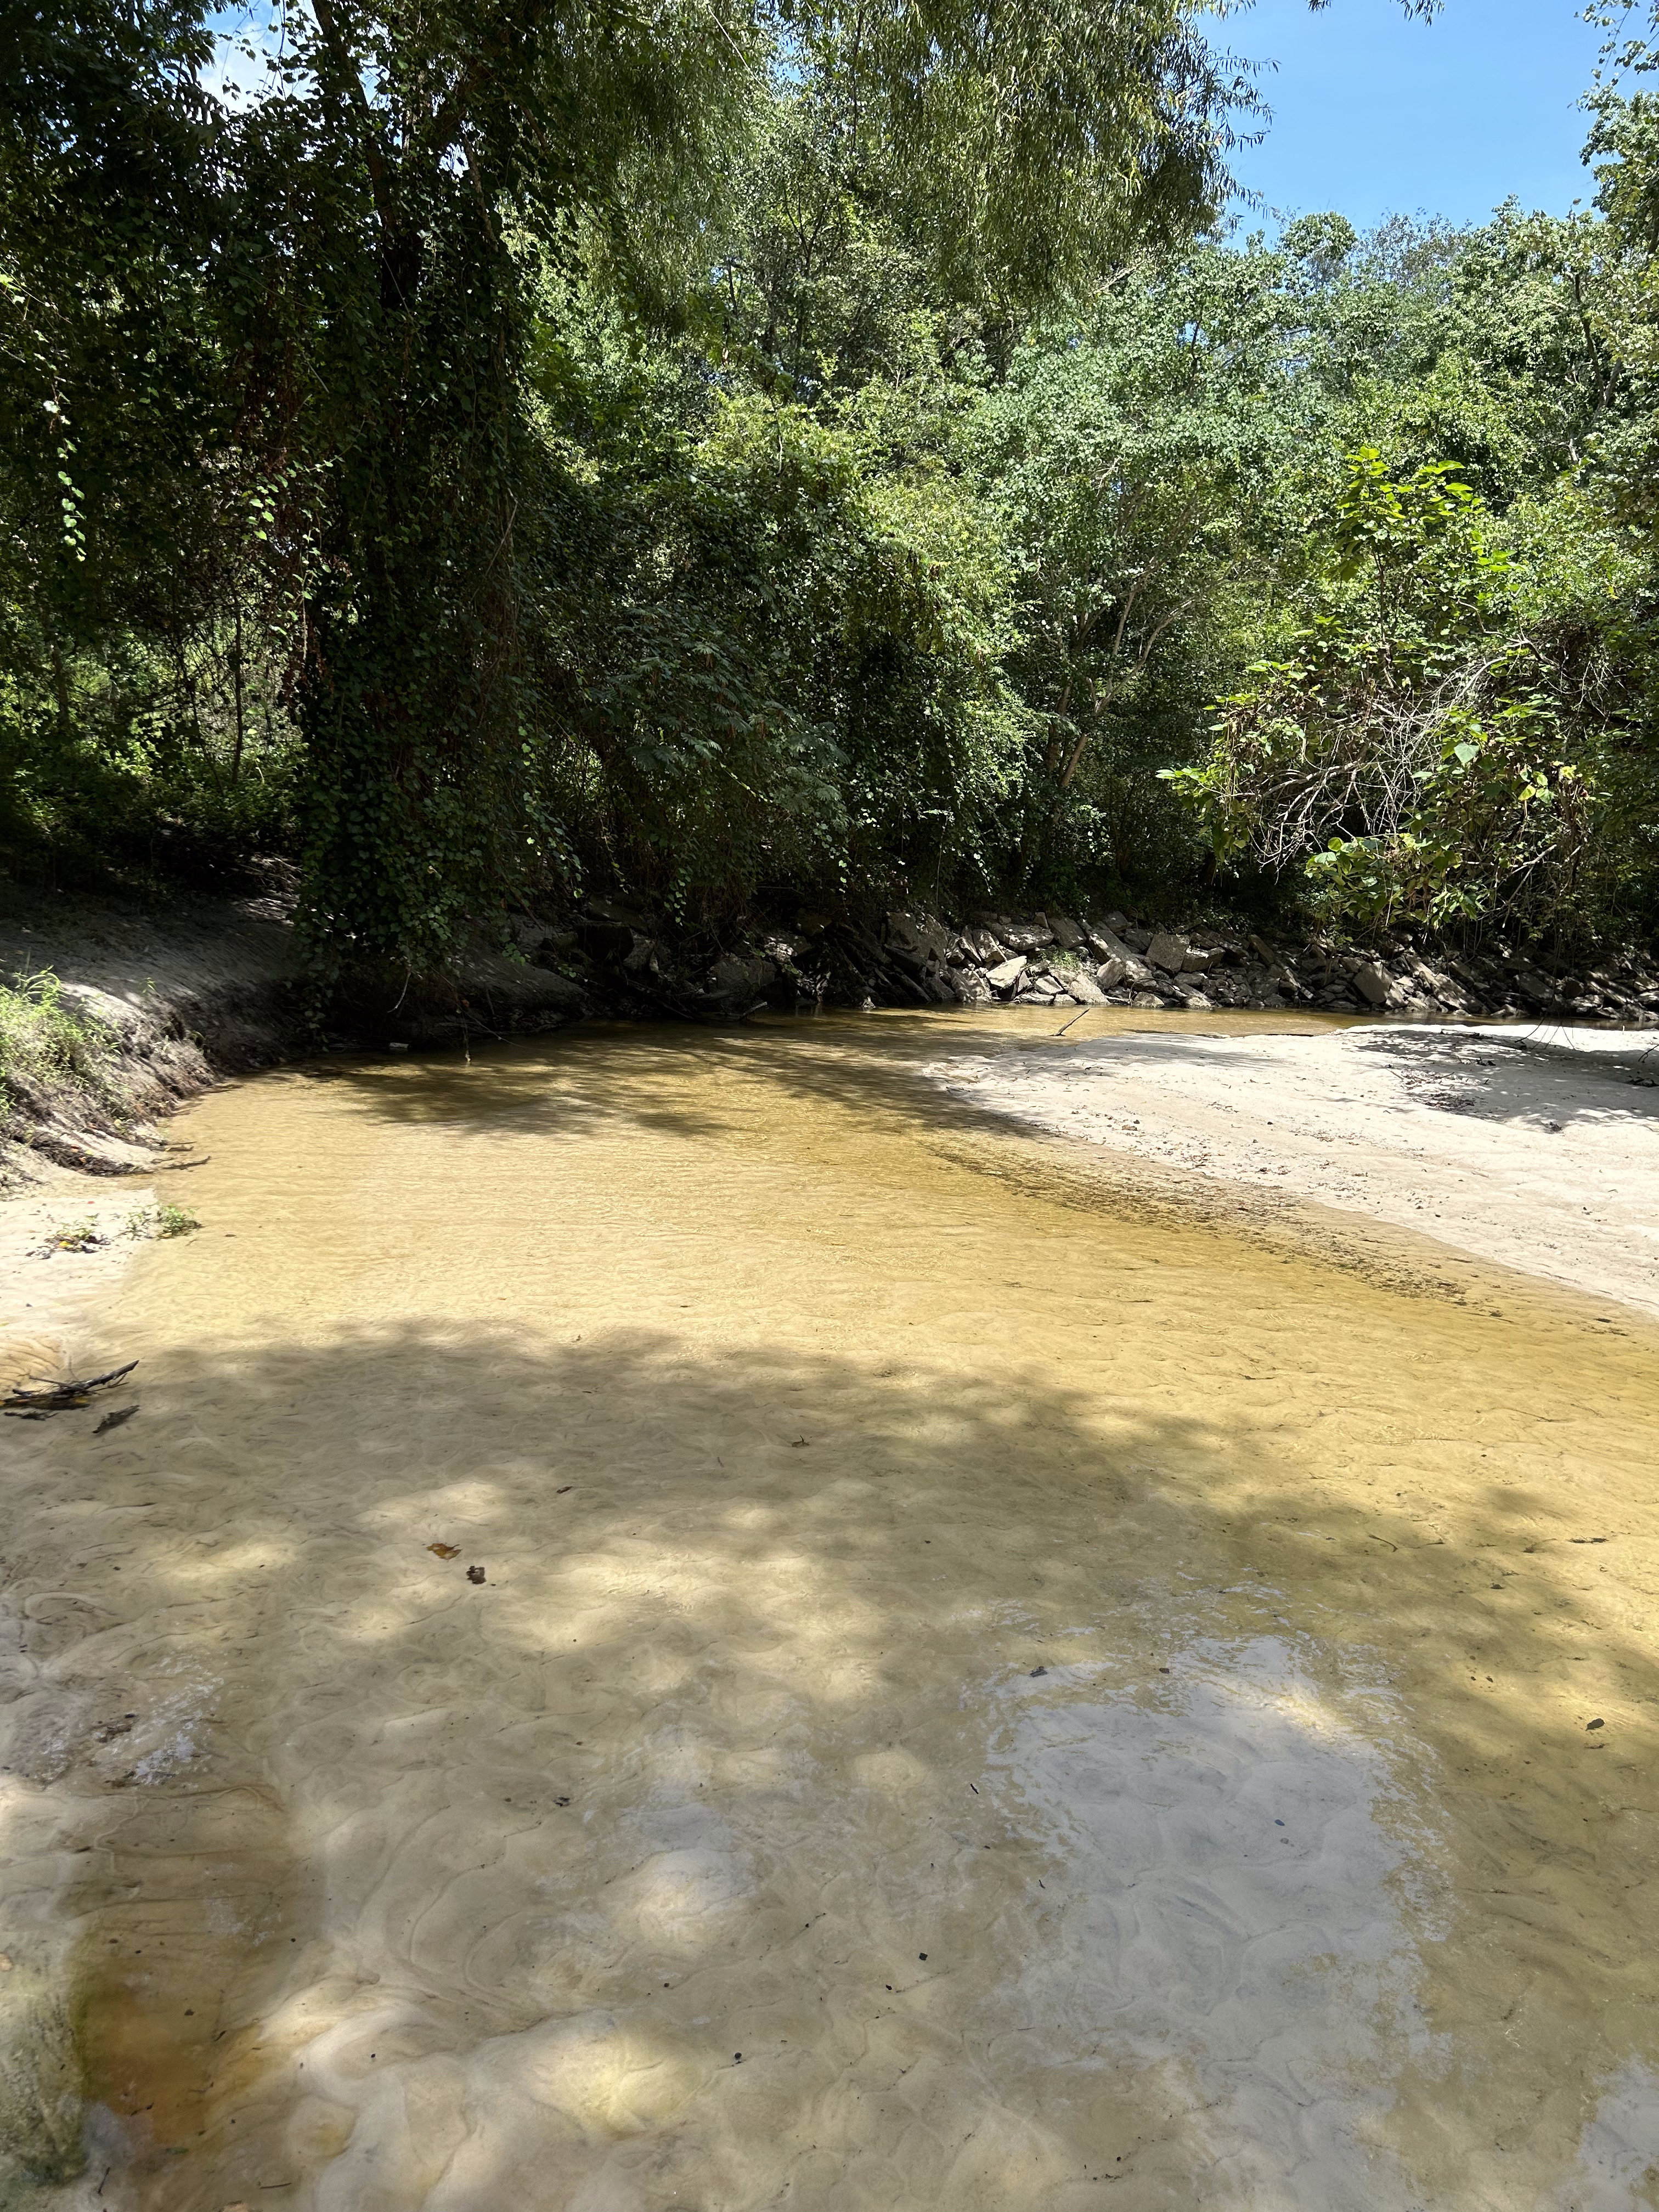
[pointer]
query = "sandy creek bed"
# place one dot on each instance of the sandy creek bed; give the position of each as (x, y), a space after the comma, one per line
(1089, 1697)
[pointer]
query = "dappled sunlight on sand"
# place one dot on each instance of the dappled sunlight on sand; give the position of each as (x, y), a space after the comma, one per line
(975, 1688)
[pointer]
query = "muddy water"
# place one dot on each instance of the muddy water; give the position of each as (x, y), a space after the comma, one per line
(984, 1691)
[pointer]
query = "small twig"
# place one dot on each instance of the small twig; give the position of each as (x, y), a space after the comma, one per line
(61, 1397)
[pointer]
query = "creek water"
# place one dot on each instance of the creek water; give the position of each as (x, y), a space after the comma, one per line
(954, 1679)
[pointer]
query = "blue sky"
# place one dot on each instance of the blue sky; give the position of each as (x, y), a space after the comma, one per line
(1377, 115)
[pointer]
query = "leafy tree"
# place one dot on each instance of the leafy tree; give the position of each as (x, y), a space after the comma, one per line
(120, 479)
(431, 150)
(1129, 462)
(765, 444)
(1436, 734)
(772, 633)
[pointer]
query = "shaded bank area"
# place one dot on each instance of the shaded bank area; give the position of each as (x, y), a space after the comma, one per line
(166, 999)
(113, 1016)
(979, 1684)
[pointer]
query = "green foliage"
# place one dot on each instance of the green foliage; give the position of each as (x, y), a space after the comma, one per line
(49, 1043)
(73, 1236)
(1127, 464)
(161, 1222)
(758, 446)
(777, 630)
(457, 150)
(1435, 734)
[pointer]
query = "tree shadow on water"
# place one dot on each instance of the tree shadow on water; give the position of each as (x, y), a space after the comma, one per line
(469, 1891)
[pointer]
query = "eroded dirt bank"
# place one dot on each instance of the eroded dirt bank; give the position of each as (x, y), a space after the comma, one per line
(978, 1691)
(182, 994)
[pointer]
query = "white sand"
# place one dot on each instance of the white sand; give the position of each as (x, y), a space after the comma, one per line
(1537, 1148)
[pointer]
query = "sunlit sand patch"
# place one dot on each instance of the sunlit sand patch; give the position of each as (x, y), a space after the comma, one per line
(259, 1555)
(1229, 1896)
(677, 1896)
(1618, 2153)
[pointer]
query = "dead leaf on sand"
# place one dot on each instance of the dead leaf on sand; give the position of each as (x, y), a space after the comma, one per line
(114, 1420)
(474, 1574)
(446, 1551)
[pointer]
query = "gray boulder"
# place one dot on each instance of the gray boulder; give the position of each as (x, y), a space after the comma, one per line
(1005, 978)
(984, 946)
(1124, 967)
(1371, 984)
(922, 936)
(1167, 951)
(733, 977)
(1034, 935)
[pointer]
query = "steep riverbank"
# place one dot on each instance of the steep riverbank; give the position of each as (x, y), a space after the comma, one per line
(171, 997)
(174, 997)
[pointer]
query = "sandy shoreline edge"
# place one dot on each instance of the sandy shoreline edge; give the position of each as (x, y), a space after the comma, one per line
(1407, 1098)
(1536, 1147)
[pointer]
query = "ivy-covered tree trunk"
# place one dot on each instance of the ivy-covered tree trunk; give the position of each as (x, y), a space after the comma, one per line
(409, 689)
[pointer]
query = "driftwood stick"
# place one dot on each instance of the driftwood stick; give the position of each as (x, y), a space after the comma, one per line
(61, 1397)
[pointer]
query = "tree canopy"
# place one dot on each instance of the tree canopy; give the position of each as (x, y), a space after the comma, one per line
(749, 449)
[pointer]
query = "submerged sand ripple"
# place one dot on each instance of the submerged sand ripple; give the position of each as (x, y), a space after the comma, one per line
(979, 1697)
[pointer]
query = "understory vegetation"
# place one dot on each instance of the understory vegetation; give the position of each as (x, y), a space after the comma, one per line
(747, 454)
(49, 1043)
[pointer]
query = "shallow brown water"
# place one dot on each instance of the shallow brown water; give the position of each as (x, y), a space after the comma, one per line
(1092, 1705)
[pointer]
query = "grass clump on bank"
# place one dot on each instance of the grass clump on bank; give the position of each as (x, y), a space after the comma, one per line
(50, 1045)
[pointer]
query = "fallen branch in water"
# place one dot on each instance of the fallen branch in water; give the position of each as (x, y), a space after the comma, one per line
(62, 1397)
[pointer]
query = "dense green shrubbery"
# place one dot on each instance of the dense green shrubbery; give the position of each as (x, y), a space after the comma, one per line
(1447, 725)
(515, 458)
(117, 761)
(769, 638)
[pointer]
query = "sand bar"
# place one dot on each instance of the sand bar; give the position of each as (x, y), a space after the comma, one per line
(1534, 1146)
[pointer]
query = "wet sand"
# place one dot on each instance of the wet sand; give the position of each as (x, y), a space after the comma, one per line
(987, 1690)
(1531, 1145)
